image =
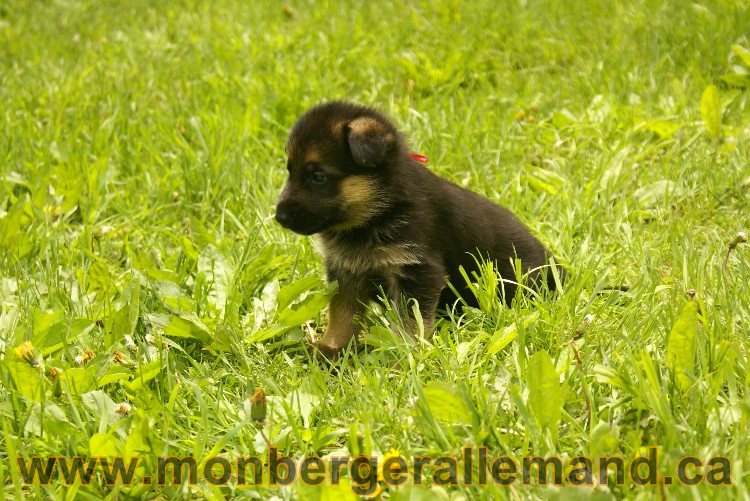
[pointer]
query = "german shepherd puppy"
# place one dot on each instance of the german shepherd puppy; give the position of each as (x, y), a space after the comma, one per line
(386, 223)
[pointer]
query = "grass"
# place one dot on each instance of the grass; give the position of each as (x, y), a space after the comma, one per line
(142, 152)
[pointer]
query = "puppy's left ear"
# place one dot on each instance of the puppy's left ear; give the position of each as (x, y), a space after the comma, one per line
(370, 141)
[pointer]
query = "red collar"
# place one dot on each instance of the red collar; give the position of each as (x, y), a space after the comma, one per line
(418, 157)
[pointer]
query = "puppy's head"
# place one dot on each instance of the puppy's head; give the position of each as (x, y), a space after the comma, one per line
(339, 157)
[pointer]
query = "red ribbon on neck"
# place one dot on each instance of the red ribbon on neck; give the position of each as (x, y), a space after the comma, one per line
(418, 157)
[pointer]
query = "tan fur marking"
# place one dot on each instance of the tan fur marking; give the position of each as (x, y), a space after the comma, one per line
(358, 190)
(365, 124)
(341, 323)
(312, 157)
(369, 125)
(372, 257)
(337, 127)
(360, 201)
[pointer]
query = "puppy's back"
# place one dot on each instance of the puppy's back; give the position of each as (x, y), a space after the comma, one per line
(468, 227)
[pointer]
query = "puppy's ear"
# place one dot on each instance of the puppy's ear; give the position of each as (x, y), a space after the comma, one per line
(370, 141)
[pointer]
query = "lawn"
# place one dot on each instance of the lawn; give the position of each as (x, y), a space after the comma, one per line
(146, 291)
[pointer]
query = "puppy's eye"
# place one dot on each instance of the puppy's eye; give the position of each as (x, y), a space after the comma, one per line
(318, 177)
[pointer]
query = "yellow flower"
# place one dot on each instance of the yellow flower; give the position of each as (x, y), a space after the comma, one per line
(27, 353)
(393, 453)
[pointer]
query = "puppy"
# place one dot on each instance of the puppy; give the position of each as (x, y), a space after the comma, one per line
(386, 223)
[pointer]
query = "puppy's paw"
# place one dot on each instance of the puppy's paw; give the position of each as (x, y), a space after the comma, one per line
(323, 351)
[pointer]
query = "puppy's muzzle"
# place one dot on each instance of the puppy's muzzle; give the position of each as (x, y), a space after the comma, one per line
(294, 217)
(284, 216)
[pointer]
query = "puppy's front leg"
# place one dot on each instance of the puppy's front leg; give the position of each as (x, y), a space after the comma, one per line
(345, 307)
(423, 282)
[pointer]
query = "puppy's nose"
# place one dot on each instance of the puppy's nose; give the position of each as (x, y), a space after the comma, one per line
(283, 215)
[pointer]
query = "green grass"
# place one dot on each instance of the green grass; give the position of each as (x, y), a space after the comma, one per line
(141, 153)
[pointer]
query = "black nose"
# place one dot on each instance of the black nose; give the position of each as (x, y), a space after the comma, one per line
(283, 216)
